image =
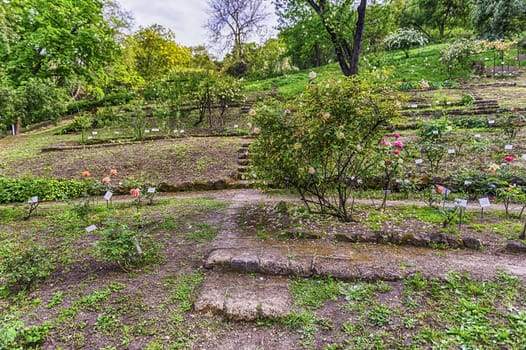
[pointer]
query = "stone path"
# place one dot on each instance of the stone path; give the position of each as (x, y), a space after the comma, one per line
(250, 276)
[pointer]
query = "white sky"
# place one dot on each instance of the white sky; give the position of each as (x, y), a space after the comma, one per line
(185, 18)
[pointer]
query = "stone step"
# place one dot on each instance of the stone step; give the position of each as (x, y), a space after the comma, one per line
(242, 154)
(246, 144)
(362, 261)
(243, 169)
(244, 297)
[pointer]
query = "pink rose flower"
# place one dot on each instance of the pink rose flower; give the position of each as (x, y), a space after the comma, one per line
(105, 180)
(386, 143)
(396, 152)
(398, 144)
(509, 159)
(396, 136)
(135, 192)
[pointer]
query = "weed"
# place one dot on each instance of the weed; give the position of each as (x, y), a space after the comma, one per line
(314, 292)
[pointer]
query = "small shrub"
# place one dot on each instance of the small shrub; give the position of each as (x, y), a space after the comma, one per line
(404, 39)
(22, 265)
(127, 248)
(16, 335)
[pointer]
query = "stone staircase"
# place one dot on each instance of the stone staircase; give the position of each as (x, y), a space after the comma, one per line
(243, 161)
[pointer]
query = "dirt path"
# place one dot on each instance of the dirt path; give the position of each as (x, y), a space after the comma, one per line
(231, 289)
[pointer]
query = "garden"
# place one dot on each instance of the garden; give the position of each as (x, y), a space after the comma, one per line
(284, 196)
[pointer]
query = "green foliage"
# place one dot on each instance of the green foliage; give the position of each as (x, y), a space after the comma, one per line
(325, 140)
(404, 39)
(20, 190)
(127, 248)
(314, 292)
(24, 264)
(498, 19)
(432, 144)
(15, 335)
(457, 53)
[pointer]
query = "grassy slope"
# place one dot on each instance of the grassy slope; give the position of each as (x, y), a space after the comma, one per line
(423, 64)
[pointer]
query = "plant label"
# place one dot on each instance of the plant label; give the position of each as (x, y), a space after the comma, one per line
(491, 122)
(451, 151)
(477, 136)
(151, 190)
(508, 147)
(386, 191)
(459, 202)
(33, 200)
(116, 132)
(91, 228)
(435, 132)
(524, 156)
(467, 183)
(419, 161)
(108, 196)
(90, 137)
(147, 131)
(94, 133)
(155, 130)
(484, 202)
(236, 126)
(414, 106)
(181, 131)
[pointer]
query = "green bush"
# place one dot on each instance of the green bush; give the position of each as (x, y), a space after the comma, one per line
(126, 247)
(20, 190)
(22, 265)
(325, 141)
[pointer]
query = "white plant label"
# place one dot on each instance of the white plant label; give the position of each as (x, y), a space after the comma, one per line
(414, 106)
(508, 147)
(147, 131)
(484, 202)
(461, 202)
(91, 228)
(491, 122)
(451, 151)
(94, 133)
(524, 156)
(467, 183)
(181, 131)
(155, 130)
(477, 136)
(33, 200)
(137, 246)
(90, 137)
(151, 190)
(435, 132)
(419, 161)
(108, 196)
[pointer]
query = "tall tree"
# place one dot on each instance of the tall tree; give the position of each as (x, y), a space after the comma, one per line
(498, 19)
(341, 21)
(232, 21)
(435, 17)
(156, 52)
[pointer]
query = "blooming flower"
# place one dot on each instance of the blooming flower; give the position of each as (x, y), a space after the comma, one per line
(312, 171)
(113, 172)
(385, 143)
(135, 192)
(252, 112)
(85, 174)
(106, 180)
(257, 130)
(297, 145)
(312, 75)
(325, 116)
(396, 152)
(396, 136)
(340, 135)
(509, 159)
(287, 111)
(398, 144)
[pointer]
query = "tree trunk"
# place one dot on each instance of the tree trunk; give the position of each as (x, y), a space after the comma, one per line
(18, 126)
(358, 36)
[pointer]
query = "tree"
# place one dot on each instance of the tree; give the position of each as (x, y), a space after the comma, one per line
(404, 39)
(499, 19)
(156, 52)
(335, 17)
(436, 15)
(56, 39)
(232, 21)
(324, 143)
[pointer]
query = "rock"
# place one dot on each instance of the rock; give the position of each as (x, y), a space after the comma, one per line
(274, 264)
(218, 257)
(472, 243)
(346, 237)
(515, 246)
(245, 263)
